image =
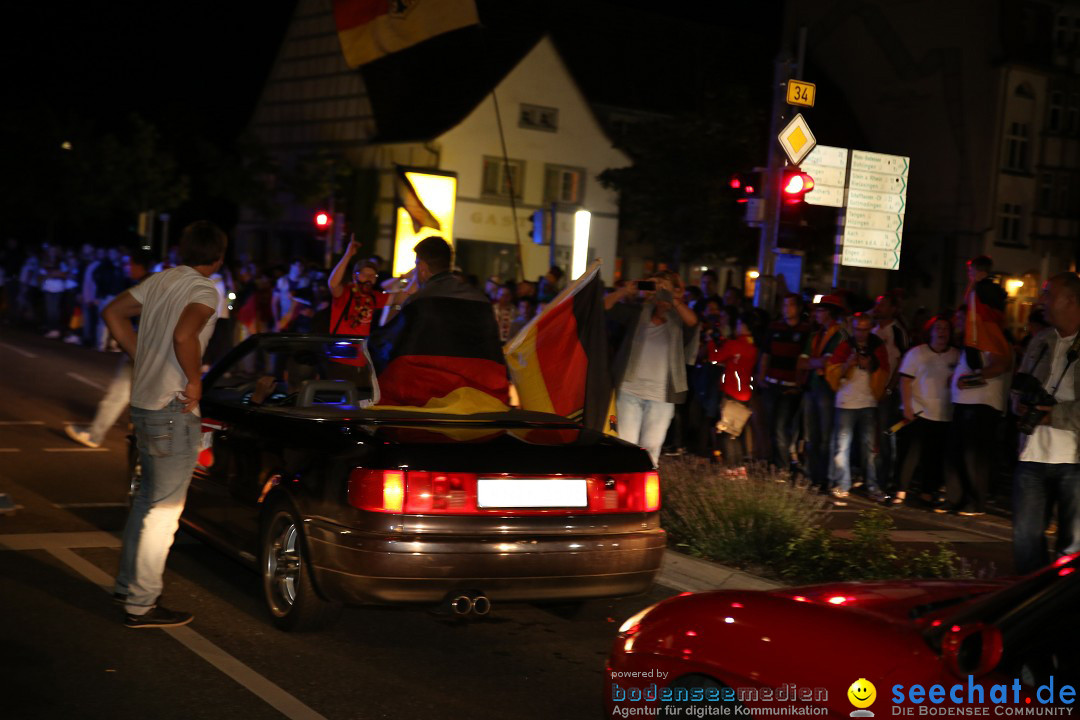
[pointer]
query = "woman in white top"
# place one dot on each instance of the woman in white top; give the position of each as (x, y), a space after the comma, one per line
(925, 373)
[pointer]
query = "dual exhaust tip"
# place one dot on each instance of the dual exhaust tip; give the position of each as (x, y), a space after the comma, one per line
(465, 604)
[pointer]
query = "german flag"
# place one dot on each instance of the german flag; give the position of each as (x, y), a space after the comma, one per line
(985, 316)
(371, 29)
(559, 361)
(441, 354)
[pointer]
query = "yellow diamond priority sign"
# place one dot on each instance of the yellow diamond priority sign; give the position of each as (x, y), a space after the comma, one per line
(796, 139)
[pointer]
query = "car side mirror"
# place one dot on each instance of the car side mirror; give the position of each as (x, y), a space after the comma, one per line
(973, 649)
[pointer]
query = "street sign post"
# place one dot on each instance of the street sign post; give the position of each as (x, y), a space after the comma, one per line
(828, 166)
(796, 139)
(801, 93)
(876, 204)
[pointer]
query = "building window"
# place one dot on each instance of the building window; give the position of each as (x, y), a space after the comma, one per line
(1016, 144)
(1046, 192)
(564, 184)
(1055, 111)
(1010, 224)
(535, 117)
(500, 177)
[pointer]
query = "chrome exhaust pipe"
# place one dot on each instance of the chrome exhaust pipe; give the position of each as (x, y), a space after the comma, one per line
(481, 605)
(462, 605)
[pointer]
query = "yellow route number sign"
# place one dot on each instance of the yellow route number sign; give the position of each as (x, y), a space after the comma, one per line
(801, 93)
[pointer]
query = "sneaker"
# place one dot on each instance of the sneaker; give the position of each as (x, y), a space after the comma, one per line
(158, 617)
(52, 335)
(81, 435)
(876, 496)
(73, 340)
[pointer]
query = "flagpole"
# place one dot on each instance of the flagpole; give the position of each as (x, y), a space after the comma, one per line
(510, 180)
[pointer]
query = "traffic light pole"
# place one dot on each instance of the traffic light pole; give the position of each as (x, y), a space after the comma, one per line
(784, 69)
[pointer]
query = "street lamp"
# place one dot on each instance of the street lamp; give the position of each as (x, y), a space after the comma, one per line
(580, 254)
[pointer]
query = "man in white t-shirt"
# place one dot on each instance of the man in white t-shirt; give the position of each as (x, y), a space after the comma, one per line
(925, 373)
(978, 407)
(1049, 467)
(177, 310)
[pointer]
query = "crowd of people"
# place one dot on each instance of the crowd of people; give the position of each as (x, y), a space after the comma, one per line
(835, 389)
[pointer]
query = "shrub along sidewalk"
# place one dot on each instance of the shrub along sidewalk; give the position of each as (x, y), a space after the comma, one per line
(763, 525)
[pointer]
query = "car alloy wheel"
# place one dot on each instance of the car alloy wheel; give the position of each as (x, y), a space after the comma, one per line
(290, 595)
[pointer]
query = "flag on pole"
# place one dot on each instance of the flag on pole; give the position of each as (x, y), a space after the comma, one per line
(371, 29)
(410, 200)
(559, 361)
(985, 317)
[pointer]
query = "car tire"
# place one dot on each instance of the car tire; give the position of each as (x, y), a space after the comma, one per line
(705, 682)
(294, 603)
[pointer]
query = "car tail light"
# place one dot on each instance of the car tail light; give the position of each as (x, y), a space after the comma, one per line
(427, 492)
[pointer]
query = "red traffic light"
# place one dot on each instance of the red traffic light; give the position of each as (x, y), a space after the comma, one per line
(796, 185)
(322, 220)
(736, 182)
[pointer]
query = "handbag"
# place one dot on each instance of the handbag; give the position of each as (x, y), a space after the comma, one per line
(733, 417)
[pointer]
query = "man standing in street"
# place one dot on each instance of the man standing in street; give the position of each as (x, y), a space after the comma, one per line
(819, 400)
(779, 367)
(858, 371)
(177, 310)
(1049, 467)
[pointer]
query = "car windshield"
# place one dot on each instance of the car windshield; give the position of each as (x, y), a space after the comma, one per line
(296, 371)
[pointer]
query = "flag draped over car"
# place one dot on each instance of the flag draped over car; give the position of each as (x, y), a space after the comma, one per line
(559, 361)
(371, 29)
(441, 354)
(985, 317)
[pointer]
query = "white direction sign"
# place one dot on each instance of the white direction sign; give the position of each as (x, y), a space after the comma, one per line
(876, 204)
(828, 166)
(796, 139)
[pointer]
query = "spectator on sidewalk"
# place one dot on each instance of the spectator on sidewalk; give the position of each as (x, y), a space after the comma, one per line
(650, 365)
(889, 328)
(737, 357)
(925, 373)
(858, 372)
(785, 341)
(1049, 467)
(819, 398)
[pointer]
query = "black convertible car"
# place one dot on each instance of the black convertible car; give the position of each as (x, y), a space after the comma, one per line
(334, 501)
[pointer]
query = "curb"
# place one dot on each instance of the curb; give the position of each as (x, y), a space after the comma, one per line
(689, 574)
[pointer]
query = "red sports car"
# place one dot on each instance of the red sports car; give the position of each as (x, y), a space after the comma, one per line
(912, 647)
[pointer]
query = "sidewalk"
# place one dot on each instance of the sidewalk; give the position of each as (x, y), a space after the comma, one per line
(688, 574)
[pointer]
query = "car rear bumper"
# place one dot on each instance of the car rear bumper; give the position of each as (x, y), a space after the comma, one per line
(369, 568)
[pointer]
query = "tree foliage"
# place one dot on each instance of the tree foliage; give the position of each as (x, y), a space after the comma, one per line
(676, 195)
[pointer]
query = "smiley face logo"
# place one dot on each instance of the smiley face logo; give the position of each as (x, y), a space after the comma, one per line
(862, 693)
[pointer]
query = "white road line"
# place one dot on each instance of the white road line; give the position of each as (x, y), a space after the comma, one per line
(277, 698)
(58, 541)
(82, 449)
(10, 450)
(86, 381)
(66, 506)
(6, 423)
(22, 352)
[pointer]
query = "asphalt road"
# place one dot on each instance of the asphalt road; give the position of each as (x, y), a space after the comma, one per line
(65, 654)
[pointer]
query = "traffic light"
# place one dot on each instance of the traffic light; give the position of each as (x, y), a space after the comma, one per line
(745, 186)
(541, 226)
(323, 222)
(795, 185)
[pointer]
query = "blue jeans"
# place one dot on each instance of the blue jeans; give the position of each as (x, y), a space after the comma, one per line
(643, 422)
(782, 405)
(1035, 488)
(847, 422)
(169, 447)
(116, 400)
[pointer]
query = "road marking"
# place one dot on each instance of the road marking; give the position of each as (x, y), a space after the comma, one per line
(10, 450)
(86, 381)
(58, 541)
(82, 449)
(6, 423)
(67, 506)
(22, 352)
(277, 698)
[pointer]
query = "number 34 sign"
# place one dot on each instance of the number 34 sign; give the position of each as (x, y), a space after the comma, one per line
(801, 93)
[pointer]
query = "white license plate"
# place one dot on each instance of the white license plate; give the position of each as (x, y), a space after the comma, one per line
(530, 493)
